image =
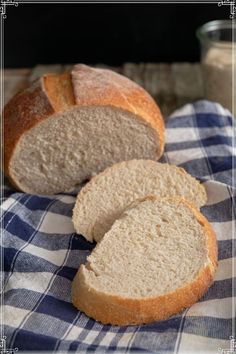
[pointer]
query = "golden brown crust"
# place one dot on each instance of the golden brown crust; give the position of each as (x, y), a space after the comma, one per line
(110, 309)
(105, 87)
(46, 96)
(114, 310)
(59, 91)
(22, 113)
(55, 93)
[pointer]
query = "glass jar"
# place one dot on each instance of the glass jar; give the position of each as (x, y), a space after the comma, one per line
(217, 40)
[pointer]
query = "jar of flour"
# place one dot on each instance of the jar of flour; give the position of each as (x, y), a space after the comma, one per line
(218, 49)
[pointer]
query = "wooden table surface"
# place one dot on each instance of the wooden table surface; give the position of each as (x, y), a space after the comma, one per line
(171, 85)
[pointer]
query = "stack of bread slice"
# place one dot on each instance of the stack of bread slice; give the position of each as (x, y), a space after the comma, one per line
(156, 253)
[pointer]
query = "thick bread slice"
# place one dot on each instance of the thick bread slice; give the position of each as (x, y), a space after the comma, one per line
(158, 258)
(106, 196)
(65, 128)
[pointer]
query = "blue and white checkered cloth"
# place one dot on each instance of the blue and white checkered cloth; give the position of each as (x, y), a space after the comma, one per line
(42, 254)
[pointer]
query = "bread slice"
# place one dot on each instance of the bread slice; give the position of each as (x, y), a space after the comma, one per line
(106, 196)
(65, 128)
(158, 258)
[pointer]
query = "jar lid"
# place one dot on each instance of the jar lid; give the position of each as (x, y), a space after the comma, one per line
(219, 32)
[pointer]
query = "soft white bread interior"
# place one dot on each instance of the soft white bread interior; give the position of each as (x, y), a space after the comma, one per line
(158, 258)
(65, 128)
(106, 196)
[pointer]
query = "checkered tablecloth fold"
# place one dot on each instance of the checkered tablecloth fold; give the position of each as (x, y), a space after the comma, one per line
(42, 253)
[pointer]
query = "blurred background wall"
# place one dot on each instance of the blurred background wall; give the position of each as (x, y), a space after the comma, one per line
(105, 33)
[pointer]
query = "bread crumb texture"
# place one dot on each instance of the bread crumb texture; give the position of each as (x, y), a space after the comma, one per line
(159, 257)
(65, 128)
(107, 195)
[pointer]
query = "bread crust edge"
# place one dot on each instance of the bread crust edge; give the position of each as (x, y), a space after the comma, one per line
(116, 310)
(42, 99)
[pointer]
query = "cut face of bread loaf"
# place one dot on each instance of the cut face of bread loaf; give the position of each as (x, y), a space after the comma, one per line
(106, 196)
(65, 128)
(158, 258)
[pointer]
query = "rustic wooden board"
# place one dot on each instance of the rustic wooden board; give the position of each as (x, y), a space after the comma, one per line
(171, 85)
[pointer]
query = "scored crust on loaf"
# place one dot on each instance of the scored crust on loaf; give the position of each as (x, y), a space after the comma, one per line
(106, 196)
(65, 128)
(158, 258)
(93, 86)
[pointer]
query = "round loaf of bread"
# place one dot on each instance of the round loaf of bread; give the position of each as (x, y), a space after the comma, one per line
(107, 195)
(65, 128)
(158, 258)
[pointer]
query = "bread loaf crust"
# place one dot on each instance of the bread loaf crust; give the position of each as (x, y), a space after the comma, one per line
(23, 112)
(57, 93)
(106, 88)
(116, 310)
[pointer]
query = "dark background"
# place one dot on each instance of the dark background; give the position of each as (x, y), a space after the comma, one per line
(105, 33)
